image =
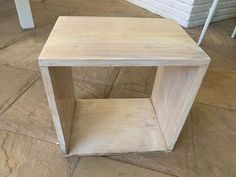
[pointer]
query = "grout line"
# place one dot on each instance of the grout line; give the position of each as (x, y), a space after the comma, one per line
(91, 82)
(24, 89)
(27, 136)
(229, 109)
(130, 163)
(121, 85)
(76, 165)
(108, 94)
(12, 42)
(19, 67)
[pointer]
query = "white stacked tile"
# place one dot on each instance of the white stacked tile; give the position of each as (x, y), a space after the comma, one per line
(188, 13)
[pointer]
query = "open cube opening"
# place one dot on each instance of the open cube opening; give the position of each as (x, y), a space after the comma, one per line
(122, 125)
(115, 125)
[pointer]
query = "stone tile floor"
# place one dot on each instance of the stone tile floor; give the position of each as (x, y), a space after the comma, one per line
(28, 144)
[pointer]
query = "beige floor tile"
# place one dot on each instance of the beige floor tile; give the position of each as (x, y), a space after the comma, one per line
(7, 8)
(30, 115)
(44, 13)
(99, 75)
(26, 157)
(10, 30)
(218, 44)
(125, 9)
(24, 52)
(218, 89)
(221, 60)
(13, 82)
(137, 79)
(72, 4)
(93, 7)
(149, 14)
(121, 92)
(86, 89)
(102, 167)
(215, 141)
(179, 162)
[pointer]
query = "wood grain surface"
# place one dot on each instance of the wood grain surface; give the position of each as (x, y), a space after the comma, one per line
(107, 126)
(109, 41)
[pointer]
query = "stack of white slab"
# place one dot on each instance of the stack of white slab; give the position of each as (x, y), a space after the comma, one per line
(188, 13)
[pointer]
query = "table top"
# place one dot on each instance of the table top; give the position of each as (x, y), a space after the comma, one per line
(118, 41)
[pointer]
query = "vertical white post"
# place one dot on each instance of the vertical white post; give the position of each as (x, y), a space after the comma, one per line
(208, 20)
(234, 33)
(24, 14)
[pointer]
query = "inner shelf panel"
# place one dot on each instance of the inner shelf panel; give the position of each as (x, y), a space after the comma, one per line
(108, 126)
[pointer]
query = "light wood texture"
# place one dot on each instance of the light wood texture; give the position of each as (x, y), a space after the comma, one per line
(173, 94)
(104, 126)
(107, 126)
(108, 41)
(60, 93)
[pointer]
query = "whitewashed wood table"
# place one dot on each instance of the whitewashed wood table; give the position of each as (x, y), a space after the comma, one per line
(109, 126)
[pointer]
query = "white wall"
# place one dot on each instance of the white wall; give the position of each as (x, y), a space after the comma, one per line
(188, 13)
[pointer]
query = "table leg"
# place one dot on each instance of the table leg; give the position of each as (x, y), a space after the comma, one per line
(234, 33)
(24, 14)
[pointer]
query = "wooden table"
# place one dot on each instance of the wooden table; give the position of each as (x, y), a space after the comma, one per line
(108, 126)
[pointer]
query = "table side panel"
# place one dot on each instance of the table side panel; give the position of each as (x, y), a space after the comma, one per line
(174, 91)
(59, 88)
